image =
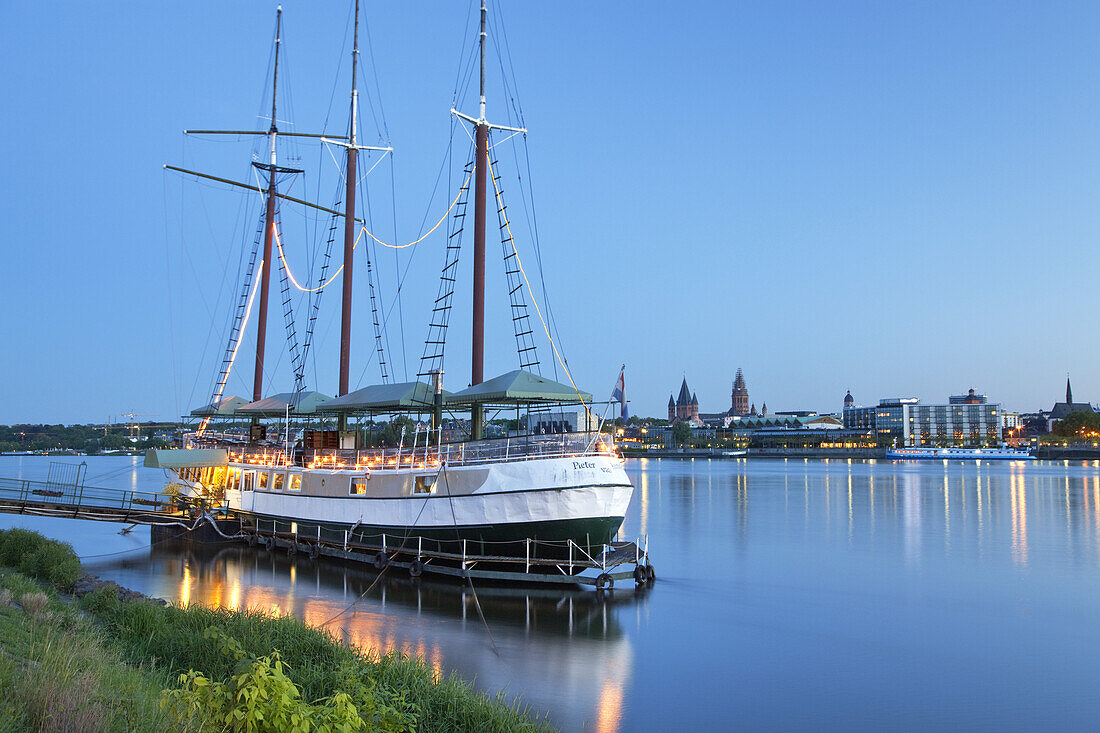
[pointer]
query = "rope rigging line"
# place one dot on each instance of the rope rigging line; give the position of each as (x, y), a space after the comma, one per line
(293, 280)
(362, 231)
(236, 347)
(530, 290)
(425, 234)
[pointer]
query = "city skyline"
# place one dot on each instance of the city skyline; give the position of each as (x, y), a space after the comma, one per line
(715, 406)
(884, 199)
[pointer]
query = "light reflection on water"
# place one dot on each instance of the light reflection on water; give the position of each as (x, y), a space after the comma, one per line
(791, 594)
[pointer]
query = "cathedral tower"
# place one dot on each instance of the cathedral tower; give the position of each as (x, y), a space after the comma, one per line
(740, 397)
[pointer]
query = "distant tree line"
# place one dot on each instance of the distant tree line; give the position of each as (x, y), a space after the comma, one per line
(88, 438)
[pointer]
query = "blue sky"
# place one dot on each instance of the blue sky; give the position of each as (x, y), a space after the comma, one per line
(892, 198)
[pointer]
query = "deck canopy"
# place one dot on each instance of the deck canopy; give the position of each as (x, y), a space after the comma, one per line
(300, 403)
(383, 397)
(225, 407)
(186, 457)
(518, 387)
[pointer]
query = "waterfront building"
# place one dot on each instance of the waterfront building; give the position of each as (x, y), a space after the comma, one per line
(903, 421)
(785, 420)
(685, 408)
(739, 399)
(1062, 409)
(811, 438)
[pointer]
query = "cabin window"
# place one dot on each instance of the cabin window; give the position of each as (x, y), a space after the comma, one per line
(219, 478)
(358, 486)
(246, 480)
(294, 482)
(424, 484)
(262, 480)
(232, 476)
(204, 477)
(276, 482)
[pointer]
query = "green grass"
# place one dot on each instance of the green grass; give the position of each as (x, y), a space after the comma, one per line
(58, 672)
(176, 639)
(121, 654)
(32, 554)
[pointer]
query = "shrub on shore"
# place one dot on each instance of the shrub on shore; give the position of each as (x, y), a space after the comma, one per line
(47, 560)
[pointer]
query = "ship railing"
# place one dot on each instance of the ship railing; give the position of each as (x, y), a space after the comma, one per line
(501, 450)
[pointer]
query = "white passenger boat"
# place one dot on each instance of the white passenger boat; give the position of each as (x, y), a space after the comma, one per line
(984, 454)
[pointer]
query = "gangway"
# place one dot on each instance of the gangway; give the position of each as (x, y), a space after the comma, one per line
(74, 500)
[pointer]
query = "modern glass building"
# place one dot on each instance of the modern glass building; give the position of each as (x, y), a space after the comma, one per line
(903, 421)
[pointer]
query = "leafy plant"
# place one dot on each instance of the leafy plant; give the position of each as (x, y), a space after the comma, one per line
(260, 696)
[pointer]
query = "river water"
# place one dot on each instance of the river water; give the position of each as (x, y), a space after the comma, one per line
(791, 594)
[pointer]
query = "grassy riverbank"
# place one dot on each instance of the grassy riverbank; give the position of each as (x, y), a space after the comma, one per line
(101, 663)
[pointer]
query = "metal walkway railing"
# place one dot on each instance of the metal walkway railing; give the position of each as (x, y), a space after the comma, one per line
(53, 499)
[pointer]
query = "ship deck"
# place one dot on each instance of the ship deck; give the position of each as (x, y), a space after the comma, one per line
(468, 453)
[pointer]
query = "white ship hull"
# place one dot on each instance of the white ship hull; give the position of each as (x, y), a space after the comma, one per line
(583, 499)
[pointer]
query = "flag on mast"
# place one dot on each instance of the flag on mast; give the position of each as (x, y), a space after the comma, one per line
(619, 393)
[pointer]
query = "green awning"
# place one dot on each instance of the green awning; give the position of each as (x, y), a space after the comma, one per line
(381, 397)
(304, 403)
(518, 387)
(186, 457)
(224, 407)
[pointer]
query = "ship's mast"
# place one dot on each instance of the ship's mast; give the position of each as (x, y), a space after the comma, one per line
(477, 366)
(272, 169)
(269, 225)
(481, 172)
(349, 219)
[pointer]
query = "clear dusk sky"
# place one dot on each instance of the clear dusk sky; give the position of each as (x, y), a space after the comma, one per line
(893, 198)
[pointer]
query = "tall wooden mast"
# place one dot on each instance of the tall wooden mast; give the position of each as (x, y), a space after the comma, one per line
(477, 367)
(481, 172)
(269, 226)
(349, 219)
(271, 170)
(481, 145)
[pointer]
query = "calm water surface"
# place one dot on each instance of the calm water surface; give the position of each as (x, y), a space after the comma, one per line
(825, 595)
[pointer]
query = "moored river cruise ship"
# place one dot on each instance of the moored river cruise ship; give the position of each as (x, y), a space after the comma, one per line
(985, 454)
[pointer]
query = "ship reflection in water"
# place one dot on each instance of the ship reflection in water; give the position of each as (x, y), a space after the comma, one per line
(569, 635)
(791, 594)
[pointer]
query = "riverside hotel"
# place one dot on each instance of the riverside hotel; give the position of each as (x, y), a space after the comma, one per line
(967, 419)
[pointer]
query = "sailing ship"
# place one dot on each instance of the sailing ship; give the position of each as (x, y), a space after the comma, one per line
(562, 486)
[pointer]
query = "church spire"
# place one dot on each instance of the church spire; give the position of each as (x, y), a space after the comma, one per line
(1069, 392)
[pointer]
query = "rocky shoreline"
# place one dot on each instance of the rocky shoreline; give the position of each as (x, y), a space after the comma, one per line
(87, 584)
